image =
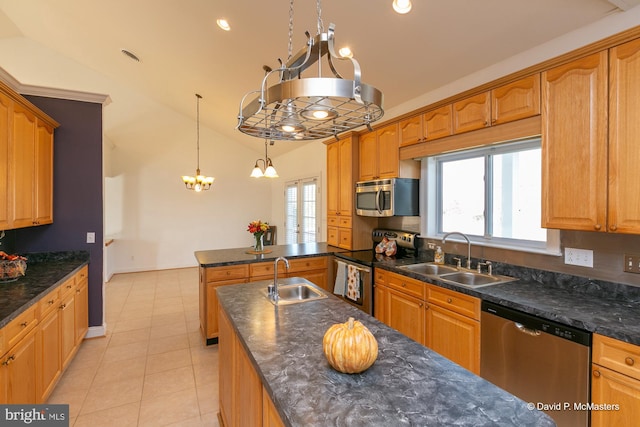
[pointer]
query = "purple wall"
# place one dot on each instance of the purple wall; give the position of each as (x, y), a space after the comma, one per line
(77, 191)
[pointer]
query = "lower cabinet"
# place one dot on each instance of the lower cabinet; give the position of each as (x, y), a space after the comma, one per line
(615, 380)
(446, 321)
(243, 400)
(20, 373)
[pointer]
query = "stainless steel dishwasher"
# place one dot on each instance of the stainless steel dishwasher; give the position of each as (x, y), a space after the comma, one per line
(542, 362)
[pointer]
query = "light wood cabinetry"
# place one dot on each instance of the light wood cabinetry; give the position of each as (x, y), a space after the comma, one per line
(431, 125)
(314, 269)
(379, 156)
(26, 163)
(345, 229)
(472, 113)
(18, 364)
(615, 381)
(446, 321)
(48, 343)
(82, 305)
(574, 151)
(516, 100)
(243, 400)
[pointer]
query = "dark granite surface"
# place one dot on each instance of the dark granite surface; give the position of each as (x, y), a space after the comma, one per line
(407, 385)
(222, 257)
(44, 272)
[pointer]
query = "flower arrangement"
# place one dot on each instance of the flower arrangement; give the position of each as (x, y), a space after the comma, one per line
(258, 228)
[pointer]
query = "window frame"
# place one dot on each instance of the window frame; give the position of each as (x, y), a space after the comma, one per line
(299, 183)
(432, 202)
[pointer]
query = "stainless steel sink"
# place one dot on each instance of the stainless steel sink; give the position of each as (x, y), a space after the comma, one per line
(296, 293)
(474, 279)
(429, 268)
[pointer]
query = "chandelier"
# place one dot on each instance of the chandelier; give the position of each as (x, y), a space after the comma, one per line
(269, 171)
(198, 182)
(297, 108)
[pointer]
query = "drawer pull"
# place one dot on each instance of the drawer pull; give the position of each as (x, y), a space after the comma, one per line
(449, 300)
(63, 306)
(24, 324)
(629, 361)
(9, 360)
(596, 373)
(69, 286)
(404, 285)
(50, 302)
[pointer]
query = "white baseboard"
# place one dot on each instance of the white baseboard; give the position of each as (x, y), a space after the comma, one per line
(96, 331)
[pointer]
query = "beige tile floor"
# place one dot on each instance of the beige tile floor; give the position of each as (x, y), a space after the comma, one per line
(151, 369)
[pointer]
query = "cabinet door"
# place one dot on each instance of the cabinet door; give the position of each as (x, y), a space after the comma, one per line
(388, 154)
(368, 159)
(610, 387)
(472, 113)
(411, 131)
(406, 315)
(49, 353)
(346, 189)
(574, 145)
(333, 178)
(20, 369)
(454, 336)
(624, 134)
(226, 348)
(43, 195)
(247, 407)
(516, 100)
(270, 416)
(438, 123)
(24, 135)
(5, 193)
(82, 311)
(332, 236)
(67, 314)
(380, 293)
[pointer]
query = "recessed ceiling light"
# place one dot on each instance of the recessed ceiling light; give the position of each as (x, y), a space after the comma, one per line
(345, 52)
(402, 6)
(223, 24)
(130, 55)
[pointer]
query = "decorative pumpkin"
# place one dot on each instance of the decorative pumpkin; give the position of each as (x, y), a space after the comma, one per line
(350, 347)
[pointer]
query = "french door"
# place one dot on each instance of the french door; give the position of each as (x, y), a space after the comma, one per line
(302, 207)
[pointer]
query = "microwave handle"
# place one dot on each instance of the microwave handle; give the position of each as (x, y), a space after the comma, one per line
(378, 194)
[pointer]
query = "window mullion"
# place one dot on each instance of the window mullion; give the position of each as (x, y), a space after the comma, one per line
(488, 196)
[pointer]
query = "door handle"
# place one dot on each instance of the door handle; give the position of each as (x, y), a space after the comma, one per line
(525, 330)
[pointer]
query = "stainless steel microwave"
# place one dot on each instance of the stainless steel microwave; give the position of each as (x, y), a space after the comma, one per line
(388, 197)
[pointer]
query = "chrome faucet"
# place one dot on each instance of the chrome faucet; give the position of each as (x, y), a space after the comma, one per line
(468, 245)
(275, 275)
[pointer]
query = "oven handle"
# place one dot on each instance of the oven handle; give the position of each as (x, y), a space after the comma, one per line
(378, 194)
(363, 269)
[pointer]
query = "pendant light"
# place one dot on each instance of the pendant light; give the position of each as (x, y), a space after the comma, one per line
(269, 170)
(297, 108)
(199, 182)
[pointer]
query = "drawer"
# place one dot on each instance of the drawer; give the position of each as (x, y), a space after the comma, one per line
(48, 303)
(380, 276)
(344, 238)
(232, 272)
(20, 327)
(332, 236)
(344, 222)
(83, 274)
(265, 269)
(307, 264)
(67, 286)
(333, 221)
(406, 284)
(616, 355)
(455, 301)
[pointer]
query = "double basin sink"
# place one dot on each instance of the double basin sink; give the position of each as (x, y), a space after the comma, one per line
(457, 276)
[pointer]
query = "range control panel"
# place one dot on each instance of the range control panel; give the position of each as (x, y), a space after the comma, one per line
(404, 239)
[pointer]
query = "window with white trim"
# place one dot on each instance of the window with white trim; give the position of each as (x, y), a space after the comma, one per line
(302, 210)
(492, 194)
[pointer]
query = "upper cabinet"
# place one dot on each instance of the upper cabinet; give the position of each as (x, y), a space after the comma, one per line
(379, 157)
(26, 168)
(589, 146)
(431, 125)
(472, 113)
(516, 100)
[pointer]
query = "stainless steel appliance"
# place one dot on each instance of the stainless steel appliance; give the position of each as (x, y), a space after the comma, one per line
(539, 361)
(365, 261)
(388, 197)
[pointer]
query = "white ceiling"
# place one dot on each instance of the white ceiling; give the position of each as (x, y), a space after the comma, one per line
(183, 52)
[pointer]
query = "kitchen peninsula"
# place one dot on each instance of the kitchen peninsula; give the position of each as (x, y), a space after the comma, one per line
(407, 385)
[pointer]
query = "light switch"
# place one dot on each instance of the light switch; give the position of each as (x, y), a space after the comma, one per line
(91, 237)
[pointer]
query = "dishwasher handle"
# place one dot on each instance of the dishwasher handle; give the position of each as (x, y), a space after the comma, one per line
(525, 330)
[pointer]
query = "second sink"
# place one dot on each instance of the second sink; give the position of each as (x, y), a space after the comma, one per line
(429, 268)
(457, 276)
(296, 293)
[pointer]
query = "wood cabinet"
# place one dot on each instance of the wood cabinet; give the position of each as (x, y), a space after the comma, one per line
(379, 156)
(472, 113)
(18, 364)
(48, 344)
(403, 304)
(453, 326)
(345, 229)
(26, 162)
(210, 279)
(243, 400)
(615, 381)
(431, 125)
(516, 100)
(82, 305)
(574, 145)
(314, 269)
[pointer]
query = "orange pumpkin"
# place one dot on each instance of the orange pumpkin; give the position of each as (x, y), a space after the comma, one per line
(350, 347)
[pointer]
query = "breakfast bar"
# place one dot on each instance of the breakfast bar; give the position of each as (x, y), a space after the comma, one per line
(407, 385)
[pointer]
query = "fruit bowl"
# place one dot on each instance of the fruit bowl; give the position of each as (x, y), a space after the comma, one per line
(12, 270)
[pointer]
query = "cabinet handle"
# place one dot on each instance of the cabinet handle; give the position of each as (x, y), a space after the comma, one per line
(420, 305)
(404, 285)
(63, 306)
(596, 373)
(449, 300)
(598, 227)
(613, 227)
(51, 302)
(24, 324)
(69, 286)
(9, 360)
(629, 361)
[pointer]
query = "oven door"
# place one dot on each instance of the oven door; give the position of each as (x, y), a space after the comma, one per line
(374, 198)
(362, 298)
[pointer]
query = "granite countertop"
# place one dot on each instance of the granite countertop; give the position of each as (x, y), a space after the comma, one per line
(407, 385)
(606, 308)
(44, 272)
(222, 257)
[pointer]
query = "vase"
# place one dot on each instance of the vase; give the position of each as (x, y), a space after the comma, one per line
(259, 245)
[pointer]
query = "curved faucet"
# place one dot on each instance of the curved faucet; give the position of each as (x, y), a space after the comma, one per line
(275, 275)
(468, 245)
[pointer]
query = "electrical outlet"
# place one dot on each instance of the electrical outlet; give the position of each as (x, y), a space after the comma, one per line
(91, 237)
(581, 257)
(632, 263)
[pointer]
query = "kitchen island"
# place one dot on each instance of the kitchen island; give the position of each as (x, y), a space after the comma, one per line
(407, 385)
